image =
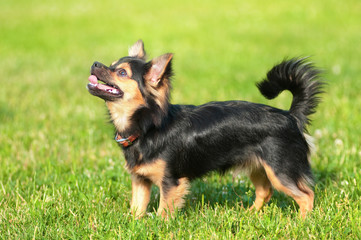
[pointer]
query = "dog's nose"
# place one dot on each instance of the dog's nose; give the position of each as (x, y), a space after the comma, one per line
(97, 64)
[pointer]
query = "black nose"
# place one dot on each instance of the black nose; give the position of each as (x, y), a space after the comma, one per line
(97, 65)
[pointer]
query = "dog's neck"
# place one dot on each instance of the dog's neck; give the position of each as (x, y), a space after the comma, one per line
(125, 142)
(132, 121)
(121, 114)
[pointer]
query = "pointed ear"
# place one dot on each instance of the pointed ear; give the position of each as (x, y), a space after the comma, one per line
(160, 67)
(137, 50)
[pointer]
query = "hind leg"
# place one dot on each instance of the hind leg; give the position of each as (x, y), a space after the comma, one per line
(263, 188)
(299, 191)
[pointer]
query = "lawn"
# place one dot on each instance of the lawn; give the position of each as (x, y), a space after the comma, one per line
(61, 174)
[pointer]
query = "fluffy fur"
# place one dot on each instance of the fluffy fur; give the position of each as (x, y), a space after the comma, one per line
(175, 144)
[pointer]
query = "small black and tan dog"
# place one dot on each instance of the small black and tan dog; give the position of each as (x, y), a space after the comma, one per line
(170, 145)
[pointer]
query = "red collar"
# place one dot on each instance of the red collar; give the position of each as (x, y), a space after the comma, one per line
(126, 141)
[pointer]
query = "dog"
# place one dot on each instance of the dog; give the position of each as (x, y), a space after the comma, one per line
(170, 145)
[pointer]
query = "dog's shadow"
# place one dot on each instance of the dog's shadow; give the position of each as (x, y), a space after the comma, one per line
(233, 192)
(208, 193)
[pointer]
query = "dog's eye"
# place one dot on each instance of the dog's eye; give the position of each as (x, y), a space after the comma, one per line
(122, 72)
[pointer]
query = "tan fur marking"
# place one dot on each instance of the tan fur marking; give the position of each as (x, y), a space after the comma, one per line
(306, 201)
(141, 190)
(114, 62)
(161, 94)
(169, 201)
(304, 196)
(263, 188)
(173, 199)
(157, 84)
(153, 171)
(121, 110)
(253, 164)
(137, 50)
(127, 68)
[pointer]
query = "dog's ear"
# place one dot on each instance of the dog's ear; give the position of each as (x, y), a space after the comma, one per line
(137, 50)
(160, 67)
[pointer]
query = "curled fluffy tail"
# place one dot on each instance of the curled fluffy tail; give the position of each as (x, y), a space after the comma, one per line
(302, 79)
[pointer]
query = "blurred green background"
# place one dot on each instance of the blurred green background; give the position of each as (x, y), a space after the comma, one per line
(56, 147)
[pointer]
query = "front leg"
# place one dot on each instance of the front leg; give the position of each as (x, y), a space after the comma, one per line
(172, 193)
(141, 189)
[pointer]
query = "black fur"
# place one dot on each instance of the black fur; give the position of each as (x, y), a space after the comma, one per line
(301, 79)
(216, 136)
(195, 140)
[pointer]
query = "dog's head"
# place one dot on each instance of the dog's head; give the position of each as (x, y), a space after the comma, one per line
(131, 83)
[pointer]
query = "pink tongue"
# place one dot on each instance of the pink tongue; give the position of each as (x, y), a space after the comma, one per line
(93, 79)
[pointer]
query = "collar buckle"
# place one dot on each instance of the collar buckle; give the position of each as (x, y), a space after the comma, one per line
(126, 142)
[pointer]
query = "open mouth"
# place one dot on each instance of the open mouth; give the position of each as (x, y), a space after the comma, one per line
(96, 84)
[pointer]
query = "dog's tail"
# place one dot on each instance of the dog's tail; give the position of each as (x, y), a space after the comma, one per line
(302, 79)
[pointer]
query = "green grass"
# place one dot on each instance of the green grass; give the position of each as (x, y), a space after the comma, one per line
(62, 175)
